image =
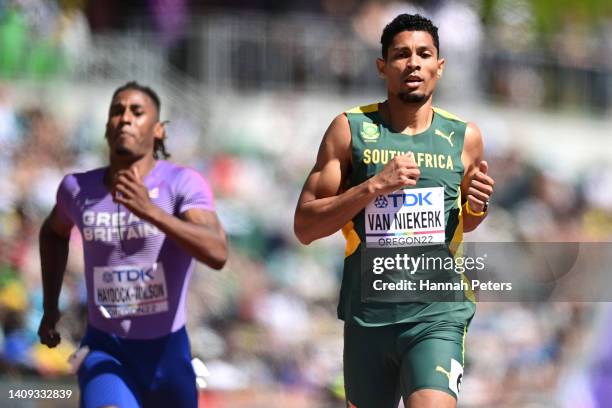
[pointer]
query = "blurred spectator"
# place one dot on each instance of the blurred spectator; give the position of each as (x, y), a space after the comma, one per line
(28, 41)
(13, 39)
(73, 30)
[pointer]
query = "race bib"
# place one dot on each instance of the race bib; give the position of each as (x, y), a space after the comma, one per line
(130, 290)
(407, 217)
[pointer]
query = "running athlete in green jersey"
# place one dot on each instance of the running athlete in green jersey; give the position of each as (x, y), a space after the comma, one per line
(399, 148)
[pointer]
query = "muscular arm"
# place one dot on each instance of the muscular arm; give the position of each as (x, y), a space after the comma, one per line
(53, 242)
(323, 207)
(53, 239)
(476, 186)
(198, 232)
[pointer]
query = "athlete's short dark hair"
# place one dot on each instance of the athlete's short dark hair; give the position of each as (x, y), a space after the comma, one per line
(159, 149)
(408, 22)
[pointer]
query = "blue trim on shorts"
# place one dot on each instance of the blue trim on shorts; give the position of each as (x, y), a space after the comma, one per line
(137, 373)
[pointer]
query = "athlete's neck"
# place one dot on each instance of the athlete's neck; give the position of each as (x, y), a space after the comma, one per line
(408, 118)
(144, 165)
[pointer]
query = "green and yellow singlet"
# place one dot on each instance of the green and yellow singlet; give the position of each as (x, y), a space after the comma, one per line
(437, 152)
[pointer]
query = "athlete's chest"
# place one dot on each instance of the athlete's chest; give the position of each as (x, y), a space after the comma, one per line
(101, 220)
(437, 157)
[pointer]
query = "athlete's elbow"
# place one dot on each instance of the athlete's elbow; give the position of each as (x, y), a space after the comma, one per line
(220, 257)
(217, 264)
(304, 240)
(300, 235)
(215, 257)
(214, 261)
(301, 232)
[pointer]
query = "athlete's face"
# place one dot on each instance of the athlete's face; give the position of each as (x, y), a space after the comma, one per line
(133, 125)
(412, 67)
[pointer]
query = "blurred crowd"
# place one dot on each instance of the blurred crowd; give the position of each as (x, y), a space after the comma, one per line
(514, 51)
(267, 324)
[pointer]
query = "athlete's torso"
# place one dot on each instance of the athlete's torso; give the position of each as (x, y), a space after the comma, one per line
(432, 211)
(136, 277)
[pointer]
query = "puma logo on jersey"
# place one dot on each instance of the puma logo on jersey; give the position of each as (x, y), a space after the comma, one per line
(443, 371)
(444, 136)
(455, 375)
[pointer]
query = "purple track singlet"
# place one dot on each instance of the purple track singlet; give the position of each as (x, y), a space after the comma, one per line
(136, 278)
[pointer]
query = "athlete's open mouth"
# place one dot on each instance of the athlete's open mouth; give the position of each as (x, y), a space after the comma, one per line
(124, 133)
(413, 79)
(412, 83)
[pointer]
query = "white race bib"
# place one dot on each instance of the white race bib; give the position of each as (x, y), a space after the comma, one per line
(406, 217)
(131, 290)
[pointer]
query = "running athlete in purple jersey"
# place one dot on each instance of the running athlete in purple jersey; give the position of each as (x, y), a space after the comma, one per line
(136, 277)
(142, 221)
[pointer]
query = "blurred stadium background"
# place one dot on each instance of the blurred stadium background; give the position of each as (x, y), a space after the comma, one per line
(249, 87)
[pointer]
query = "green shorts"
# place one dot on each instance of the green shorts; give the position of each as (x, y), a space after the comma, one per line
(382, 364)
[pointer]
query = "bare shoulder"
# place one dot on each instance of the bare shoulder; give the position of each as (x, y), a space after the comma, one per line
(330, 171)
(338, 134)
(340, 122)
(473, 144)
(473, 136)
(336, 143)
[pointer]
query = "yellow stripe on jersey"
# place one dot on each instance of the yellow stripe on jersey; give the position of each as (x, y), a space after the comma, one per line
(352, 239)
(456, 247)
(447, 115)
(456, 244)
(463, 345)
(364, 109)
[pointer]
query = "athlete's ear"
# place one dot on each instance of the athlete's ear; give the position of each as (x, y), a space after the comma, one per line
(159, 130)
(440, 69)
(380, 66)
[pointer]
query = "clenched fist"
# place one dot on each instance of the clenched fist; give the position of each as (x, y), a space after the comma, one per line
(480, 188)
(401, 171)
(129, 189)
(47, 332)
